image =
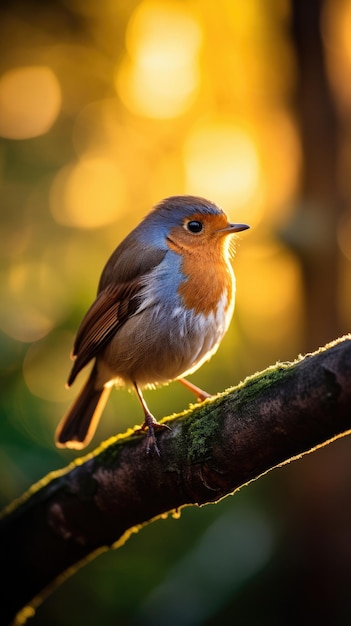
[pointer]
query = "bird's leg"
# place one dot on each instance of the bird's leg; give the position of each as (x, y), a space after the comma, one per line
(200, 394)
(150, 423)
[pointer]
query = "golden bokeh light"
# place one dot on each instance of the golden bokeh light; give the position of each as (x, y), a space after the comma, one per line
(221, 162)
(269, 295)
(88, 194)
(279, 142)
(343, 27)
(161, 76)
(336, 29)
(32, 301)
(30, 102)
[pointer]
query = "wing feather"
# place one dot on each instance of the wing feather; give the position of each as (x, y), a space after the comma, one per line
(114, 305)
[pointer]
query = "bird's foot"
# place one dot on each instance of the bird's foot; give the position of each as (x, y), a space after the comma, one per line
(149, 427)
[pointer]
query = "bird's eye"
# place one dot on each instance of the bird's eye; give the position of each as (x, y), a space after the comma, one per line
(194, 226)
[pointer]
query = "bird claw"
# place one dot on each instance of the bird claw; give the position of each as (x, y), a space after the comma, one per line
(149, 426)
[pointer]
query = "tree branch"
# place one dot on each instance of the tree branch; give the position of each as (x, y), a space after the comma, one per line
(213, 449)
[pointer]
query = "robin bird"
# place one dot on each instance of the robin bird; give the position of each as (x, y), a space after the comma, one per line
(165, 300)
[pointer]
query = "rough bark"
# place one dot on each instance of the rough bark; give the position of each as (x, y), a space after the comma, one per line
(215, 448)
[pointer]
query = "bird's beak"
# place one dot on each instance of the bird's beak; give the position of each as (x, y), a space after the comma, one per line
(233, 228)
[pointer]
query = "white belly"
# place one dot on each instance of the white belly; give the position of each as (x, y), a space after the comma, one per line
(159, 345)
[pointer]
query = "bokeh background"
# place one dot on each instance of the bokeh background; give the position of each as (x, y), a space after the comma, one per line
(105, 108)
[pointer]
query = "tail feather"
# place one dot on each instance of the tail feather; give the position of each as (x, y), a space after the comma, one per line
(78, 426)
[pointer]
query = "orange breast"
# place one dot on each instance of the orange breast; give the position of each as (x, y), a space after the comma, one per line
(208, 277)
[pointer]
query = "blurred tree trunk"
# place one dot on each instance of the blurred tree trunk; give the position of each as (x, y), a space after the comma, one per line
(315, 559)
(313, 235)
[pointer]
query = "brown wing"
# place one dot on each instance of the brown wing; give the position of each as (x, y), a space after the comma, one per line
(113, 306)
(117, 299)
